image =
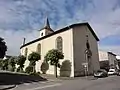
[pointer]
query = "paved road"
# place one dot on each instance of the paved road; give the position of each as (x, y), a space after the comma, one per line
(10, 80)
(109, 83)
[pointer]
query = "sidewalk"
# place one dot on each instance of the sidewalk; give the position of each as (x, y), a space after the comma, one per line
(5, 87)
(53, 78)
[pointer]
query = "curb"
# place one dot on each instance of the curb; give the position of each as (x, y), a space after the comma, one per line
(5, 87)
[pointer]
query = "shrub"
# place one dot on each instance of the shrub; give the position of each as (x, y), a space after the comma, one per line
(53, 56)
(65, 69)
(18, 69)
(44, 67)
(29, 69)
(35, 74)
(33, 57)
(12, 62)
(20, 60)
(5, 64)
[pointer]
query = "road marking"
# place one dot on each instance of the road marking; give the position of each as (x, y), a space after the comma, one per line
(26, 83)
(58, 84)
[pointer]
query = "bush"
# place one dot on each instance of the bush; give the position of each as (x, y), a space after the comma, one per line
(33, 57)
(44, 67)
(35, 74)
(12, 62)
(65, 69)
(29, 69)
(5, 64)
(18, 69)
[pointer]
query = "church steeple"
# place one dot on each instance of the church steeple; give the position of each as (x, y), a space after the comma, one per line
(47, 25)
(46, 29)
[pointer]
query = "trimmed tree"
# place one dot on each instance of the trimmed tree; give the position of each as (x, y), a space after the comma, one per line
(12, 62)
(5, 64)
(33, 57)
(53, 56)
(20, 61)
(3, 48)
(44, 67)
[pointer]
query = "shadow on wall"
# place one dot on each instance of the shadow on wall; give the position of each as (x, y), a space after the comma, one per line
(7, 78)
(65, 69)
(104, 65)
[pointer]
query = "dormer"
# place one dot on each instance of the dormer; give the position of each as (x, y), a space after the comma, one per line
(46, 30)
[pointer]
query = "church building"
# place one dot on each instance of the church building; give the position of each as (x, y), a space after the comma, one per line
(78, 43)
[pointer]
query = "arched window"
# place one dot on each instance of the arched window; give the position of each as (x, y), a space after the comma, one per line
(39, 49)
(59, 44)
(26, 51)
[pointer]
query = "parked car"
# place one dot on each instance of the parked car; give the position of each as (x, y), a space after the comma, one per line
(101, 73)
(118, 72)
(112, 72)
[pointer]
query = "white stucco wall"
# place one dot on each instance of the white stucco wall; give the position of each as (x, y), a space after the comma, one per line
(103, 56)
(79, 34)
(112, 59)
(49, 43)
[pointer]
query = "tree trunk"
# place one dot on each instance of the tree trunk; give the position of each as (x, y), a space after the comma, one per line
(33, 69)
(56, 71)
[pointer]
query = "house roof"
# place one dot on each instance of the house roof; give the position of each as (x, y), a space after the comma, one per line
(47, 25)
(112, 53)
(62, 30)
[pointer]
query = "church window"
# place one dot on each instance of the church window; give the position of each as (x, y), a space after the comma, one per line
(41, 34)
(39, 48)
(59, 43)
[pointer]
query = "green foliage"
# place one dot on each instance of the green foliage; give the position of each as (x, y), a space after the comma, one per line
(5, 64)
(0, 63)
(44, 67)
(53, 57)
(35, 74)
(33, 57)
(18, 69)
(65, 69)
(20, 61)
(3, 48)
(29, 69)
(12, 62)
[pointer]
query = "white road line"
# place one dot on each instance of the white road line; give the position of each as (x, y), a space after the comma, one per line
(26, 83)
(53, 85)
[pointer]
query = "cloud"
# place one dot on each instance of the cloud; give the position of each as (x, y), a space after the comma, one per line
(114, 49)
(14, 39)
(22, 18)
(112, 40)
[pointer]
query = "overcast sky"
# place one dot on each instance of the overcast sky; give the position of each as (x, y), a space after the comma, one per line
(23, 18)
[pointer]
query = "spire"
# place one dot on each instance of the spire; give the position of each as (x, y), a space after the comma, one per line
(24, 40)
(47, 25)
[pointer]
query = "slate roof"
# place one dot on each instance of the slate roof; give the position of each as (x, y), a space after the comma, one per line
(62, 30)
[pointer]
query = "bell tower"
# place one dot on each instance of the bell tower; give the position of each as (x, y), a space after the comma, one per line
(46, 30)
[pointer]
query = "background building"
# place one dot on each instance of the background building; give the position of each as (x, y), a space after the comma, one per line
(107, 60)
